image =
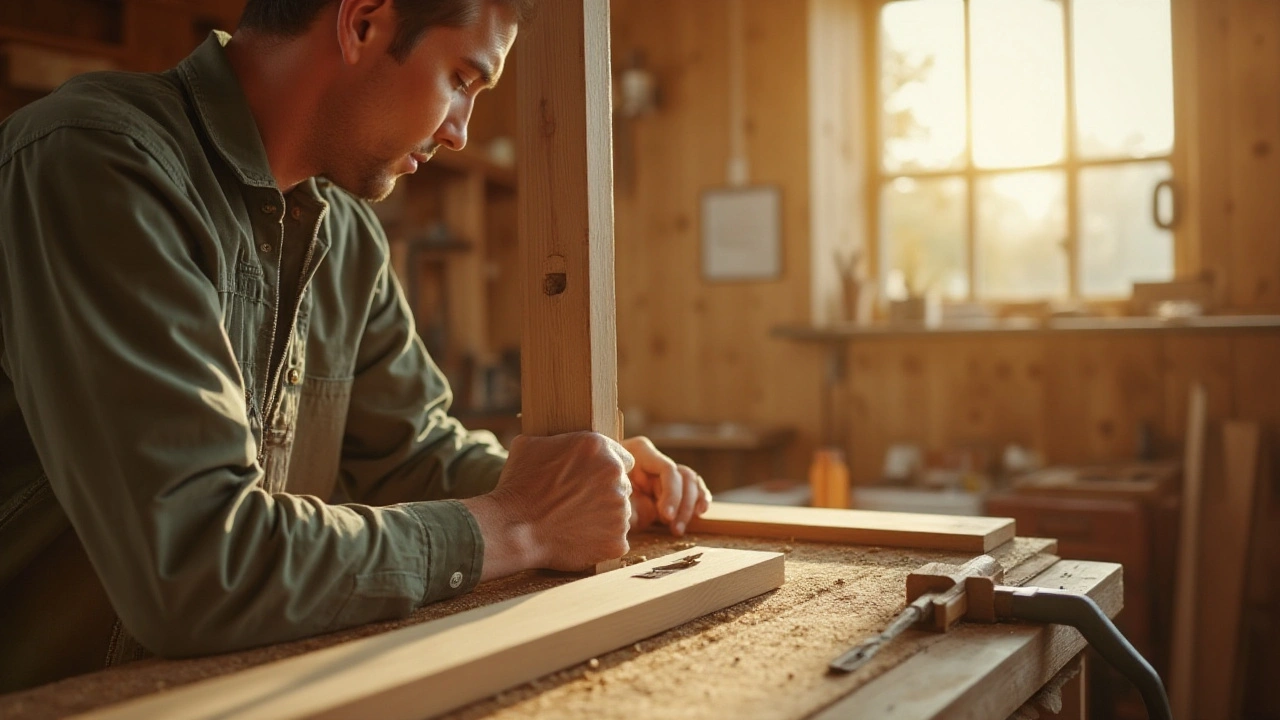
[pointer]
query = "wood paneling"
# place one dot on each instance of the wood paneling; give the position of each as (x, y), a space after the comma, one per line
(690, 349)
(1075, 397)
(1229, 122)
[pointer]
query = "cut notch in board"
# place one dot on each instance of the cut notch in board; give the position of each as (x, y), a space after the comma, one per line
(857, 527)
(432, 668)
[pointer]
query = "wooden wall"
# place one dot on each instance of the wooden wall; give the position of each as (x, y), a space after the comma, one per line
(1227, 54)
(689, 349)
(1076, 397)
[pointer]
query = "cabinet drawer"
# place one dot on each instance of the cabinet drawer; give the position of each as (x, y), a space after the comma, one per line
(1107, 530)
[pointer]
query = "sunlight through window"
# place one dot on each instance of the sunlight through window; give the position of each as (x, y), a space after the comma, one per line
(1020, 144)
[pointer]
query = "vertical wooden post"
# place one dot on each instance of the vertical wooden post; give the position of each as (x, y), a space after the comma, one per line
(569, 351)
(466, 284)
(568, 359)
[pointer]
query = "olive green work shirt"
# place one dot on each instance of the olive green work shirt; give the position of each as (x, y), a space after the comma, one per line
(196, 368)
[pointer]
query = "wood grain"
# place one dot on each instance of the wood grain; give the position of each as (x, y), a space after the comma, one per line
(857, 527)
(569, 347)
(1227, 511)
(1183, 652)
(692, 350)
(565, 197)
(964, 678)
(1253, 124)
(429, 669)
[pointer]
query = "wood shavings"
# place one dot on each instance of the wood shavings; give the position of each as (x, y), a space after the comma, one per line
(746, 666)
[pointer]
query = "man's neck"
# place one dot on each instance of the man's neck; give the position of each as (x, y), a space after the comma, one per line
(282, 81)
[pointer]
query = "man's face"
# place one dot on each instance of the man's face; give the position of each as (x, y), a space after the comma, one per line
(393, 116)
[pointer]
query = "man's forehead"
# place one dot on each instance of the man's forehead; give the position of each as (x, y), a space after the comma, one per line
(494, 40)
(494, 34)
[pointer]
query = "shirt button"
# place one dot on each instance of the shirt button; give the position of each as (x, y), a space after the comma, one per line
(269, 209)
(295, 377)
(456, 581)
(265, 247)
(295, 213)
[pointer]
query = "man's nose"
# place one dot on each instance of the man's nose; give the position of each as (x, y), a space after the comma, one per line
(453, 133)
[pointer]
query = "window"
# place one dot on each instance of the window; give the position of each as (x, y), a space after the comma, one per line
(1025, 147)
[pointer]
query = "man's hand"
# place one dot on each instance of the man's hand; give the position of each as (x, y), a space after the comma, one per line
(561, 503)
(661, 489)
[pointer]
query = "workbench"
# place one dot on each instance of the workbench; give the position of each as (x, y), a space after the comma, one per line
(763, 658)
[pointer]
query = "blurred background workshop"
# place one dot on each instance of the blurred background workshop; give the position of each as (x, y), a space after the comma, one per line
(1012, 258)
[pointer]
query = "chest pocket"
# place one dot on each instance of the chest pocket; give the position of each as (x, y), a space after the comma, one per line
(246, 315)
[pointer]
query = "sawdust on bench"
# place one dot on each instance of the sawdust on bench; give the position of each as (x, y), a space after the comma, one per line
(763, 658)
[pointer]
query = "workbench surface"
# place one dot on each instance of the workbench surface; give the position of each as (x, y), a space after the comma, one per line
(764, 658)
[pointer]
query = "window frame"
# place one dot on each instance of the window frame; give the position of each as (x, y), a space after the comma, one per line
(879, 178)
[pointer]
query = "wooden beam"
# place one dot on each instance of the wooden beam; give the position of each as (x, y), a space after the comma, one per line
(438, 666)
(569, 347)
(857, 527)
(569, 364)
(974, 673)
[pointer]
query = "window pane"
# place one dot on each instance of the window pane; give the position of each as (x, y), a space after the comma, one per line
(1021, 228)
(1119, 241)
(922, 85)
(1124, 77)
(923, 234)
(1019, 83)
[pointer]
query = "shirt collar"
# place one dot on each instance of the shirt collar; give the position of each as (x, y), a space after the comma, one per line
(224, 111)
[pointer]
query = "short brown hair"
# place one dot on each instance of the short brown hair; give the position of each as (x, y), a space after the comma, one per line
(290, 18)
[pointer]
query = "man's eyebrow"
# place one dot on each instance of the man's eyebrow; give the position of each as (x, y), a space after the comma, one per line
(486, 71)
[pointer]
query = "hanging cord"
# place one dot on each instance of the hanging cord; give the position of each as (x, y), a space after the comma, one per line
(738, 170)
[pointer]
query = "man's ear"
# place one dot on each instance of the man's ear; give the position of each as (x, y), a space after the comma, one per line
(365, 28)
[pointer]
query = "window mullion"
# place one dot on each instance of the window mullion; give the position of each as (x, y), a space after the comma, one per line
(1072, 240)
(971, 194)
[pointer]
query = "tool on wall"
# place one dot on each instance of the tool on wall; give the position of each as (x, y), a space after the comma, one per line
(940, 595)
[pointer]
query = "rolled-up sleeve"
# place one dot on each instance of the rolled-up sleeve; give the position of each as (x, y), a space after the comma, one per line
(113, 338)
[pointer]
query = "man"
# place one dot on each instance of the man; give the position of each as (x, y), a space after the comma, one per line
(202, 339)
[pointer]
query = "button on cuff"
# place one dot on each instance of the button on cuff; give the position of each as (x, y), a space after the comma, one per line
(452, 548)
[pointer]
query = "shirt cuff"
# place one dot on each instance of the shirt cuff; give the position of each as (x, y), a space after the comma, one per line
(454, 549)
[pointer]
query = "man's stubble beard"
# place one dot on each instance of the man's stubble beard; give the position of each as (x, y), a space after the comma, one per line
(357, 173)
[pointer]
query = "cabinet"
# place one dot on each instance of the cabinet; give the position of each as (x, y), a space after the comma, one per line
(1134, 527)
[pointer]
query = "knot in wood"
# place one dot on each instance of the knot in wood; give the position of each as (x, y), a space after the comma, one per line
(548, 118)
(554, 283)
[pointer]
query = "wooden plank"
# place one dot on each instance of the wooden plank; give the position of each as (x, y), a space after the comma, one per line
(1181, 695)
(565, 196)
(438, 666)
(1257, 399)
(976, 674)
(1226, 527)
(857, 527)
(569, 345)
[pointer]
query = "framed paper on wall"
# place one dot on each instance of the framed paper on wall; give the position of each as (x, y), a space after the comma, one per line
(742, 233)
